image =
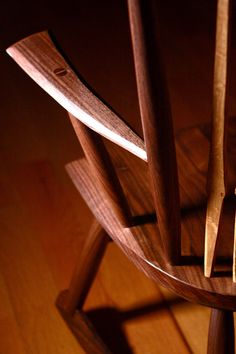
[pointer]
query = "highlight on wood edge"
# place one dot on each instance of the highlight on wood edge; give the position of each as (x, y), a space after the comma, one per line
(40, 59)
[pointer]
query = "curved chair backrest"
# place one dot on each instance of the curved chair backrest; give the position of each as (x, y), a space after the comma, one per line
(38, 56)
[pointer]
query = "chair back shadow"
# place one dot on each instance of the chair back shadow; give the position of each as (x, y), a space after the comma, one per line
(149, 197)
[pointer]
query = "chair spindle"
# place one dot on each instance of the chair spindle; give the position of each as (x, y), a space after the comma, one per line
(218, 186)
(103, 170)
(157, 124)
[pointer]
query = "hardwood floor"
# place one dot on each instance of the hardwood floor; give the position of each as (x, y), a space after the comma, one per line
(43, 220)
(41, 236)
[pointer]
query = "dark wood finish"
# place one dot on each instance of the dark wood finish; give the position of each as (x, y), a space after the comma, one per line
(39, 58)
(141, 244)
(218, 184)
(82, 329)
(71, 301)
(86, 269)
(152, 242)
(234, 251)
(157, 124)
(221, 332)
(103, 170)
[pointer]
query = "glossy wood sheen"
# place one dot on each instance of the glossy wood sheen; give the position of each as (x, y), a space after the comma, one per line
(39, 58)
(157, 124)
(221, 332)
(217, 180)
(141, 244)
(103, 170)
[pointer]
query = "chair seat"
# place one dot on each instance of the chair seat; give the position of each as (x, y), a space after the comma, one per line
(185, 279)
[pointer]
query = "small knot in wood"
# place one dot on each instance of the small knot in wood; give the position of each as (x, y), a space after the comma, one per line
(60, 71)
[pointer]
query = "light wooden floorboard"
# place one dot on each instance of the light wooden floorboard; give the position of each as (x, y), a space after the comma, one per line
(28, 289)
(42, 235)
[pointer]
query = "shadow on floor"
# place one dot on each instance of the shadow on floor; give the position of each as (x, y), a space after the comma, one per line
(108, 322)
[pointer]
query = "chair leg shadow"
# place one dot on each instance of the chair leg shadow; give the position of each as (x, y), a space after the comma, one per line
(100, 331)
(108, 325)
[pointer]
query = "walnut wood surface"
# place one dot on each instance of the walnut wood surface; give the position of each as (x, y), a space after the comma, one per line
(234, 251)
(142, 243)
(14, 291)
(221, 332)
(157, 123)
(40, 59)
(70, 302)
(102, 168)
(218, 180)
(86, 269)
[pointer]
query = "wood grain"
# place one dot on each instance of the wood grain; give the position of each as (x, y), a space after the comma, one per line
(40, 59)
(85, 270)
(140, 306)
(56, 220)
(61, 227)
(31, 322)
(141, 244)
(157, 124)
(8, 324)
(221, 332)
(218, 185)
(103, 170)
(82, 328)
(234, 250)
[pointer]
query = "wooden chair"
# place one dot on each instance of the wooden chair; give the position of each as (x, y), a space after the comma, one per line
(154, 211)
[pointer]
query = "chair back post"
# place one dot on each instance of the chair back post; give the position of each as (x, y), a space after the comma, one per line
(103, 170)
(157, 124)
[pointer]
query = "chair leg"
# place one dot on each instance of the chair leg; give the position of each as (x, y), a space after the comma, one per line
(70, 301)
(221, 332)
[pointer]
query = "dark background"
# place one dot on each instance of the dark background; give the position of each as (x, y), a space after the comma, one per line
(95, 36)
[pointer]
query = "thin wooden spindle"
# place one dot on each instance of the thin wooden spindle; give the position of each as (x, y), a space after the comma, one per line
(103, 170)
(157, 124)
(221, 332)
(218, 185)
